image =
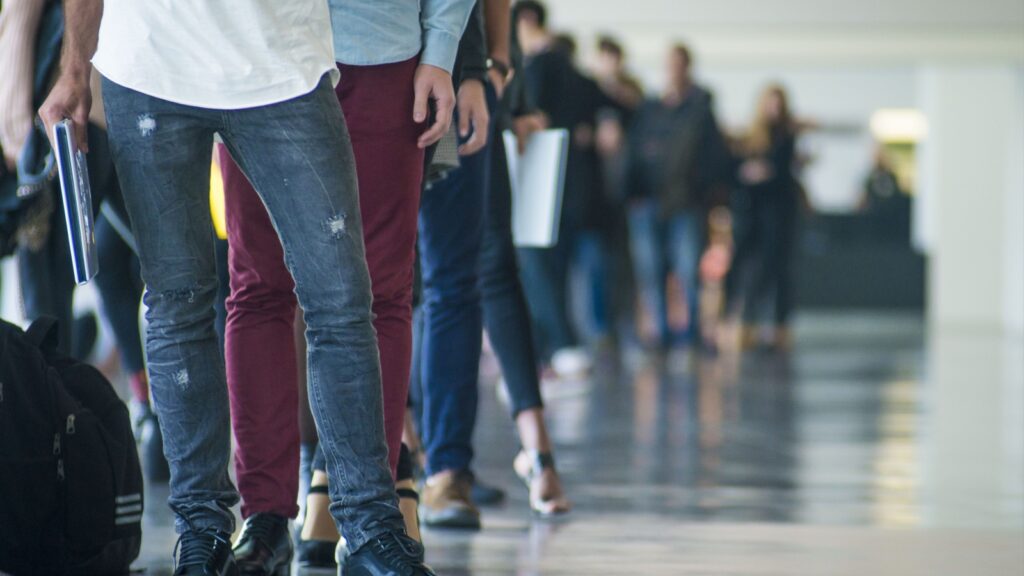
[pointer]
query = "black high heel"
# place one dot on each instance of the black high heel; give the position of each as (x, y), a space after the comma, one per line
(316, 553)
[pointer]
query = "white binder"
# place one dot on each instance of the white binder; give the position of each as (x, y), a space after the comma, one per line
(538, 182)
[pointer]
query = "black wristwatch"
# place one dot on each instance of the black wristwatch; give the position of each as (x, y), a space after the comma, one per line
(502, 67)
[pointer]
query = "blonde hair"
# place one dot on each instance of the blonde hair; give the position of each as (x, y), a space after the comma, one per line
(765, 128)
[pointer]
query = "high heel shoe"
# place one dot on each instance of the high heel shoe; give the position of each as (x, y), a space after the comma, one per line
(316, 553)
(529, 466)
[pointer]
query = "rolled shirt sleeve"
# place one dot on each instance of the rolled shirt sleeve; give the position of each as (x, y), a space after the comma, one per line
(443, 23)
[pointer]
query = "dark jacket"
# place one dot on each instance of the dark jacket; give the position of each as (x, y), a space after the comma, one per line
(677, 155)
(573, 101)
(471, 60)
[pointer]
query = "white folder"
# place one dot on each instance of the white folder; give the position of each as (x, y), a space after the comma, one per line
(538, 181)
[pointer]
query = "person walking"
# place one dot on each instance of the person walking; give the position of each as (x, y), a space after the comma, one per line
(760, 284)
(258, 73)
(570, 101)
(505, 312)
(677, 157)
(393, 62)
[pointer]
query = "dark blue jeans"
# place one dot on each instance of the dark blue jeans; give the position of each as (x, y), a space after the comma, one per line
(450, 321)
(664, 245)
(590, 257)
(298, 156)
(545, 277)
(506, 315)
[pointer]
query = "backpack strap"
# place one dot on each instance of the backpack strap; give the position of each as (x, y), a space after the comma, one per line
(43, 333)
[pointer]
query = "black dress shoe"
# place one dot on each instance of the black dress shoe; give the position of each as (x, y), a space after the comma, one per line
(316, 553)
(264, 547)
(386, 555)
(206, 553)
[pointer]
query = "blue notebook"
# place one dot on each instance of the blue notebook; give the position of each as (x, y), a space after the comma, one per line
(77, 196)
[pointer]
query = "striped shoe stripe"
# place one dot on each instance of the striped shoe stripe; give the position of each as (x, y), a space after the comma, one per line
(129, 509)
(122, 520)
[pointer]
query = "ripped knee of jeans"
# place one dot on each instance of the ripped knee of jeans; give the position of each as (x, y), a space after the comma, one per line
(336, 226)
(180, 294)
(146, 124)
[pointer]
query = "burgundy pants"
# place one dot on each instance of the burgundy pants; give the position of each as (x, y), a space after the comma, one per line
(259, 341)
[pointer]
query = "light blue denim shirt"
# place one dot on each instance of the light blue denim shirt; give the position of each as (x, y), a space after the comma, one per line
(369, 32)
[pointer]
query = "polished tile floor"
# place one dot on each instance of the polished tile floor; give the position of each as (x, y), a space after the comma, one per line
(874, 448)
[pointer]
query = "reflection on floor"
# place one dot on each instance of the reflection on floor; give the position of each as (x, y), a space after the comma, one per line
(871, 449)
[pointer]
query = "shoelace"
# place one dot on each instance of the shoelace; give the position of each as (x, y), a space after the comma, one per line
(259, 527)
(400, 551)
(196, 548)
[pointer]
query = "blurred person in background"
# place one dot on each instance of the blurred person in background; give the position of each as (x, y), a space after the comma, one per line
(617, 83)
(571, 101)
(506, 316)
(677, 161)
(884, 202)
(612, 75)
(31, 32)
(766, 209)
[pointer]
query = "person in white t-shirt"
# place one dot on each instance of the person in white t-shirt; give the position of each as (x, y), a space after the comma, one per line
(259, 73)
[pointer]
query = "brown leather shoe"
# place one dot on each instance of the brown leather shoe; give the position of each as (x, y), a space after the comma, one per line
(446, 502)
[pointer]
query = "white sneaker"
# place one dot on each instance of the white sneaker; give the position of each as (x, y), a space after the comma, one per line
(571, 362)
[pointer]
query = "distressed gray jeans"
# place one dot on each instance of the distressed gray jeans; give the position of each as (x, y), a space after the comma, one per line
(298, 156)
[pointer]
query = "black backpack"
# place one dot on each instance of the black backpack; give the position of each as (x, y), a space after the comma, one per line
(70, 482)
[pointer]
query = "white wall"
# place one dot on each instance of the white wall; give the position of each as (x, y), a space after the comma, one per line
(1013, 223)
(843, 12)
(974, 188)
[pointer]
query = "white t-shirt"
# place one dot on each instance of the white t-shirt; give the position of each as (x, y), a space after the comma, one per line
(220, 54)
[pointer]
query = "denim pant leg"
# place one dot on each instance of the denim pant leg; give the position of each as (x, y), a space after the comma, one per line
(686, 238)
(162, 153)
(647, 246)
(591, 259)
(451, 227)
(506, 315)
(298, 156)
(544, 273)
(120, 291)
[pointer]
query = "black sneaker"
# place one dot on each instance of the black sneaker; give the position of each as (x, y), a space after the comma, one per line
(206, 553)
(264, 548)
(386, 555)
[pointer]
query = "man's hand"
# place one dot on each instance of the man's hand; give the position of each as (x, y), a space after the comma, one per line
(71, 98)
(473, 115)
(433, 83)
(525, 126)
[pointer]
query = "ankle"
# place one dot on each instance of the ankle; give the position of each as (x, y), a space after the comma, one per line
(318, 523)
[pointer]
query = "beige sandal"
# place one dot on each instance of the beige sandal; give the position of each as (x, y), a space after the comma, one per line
(544, 505)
